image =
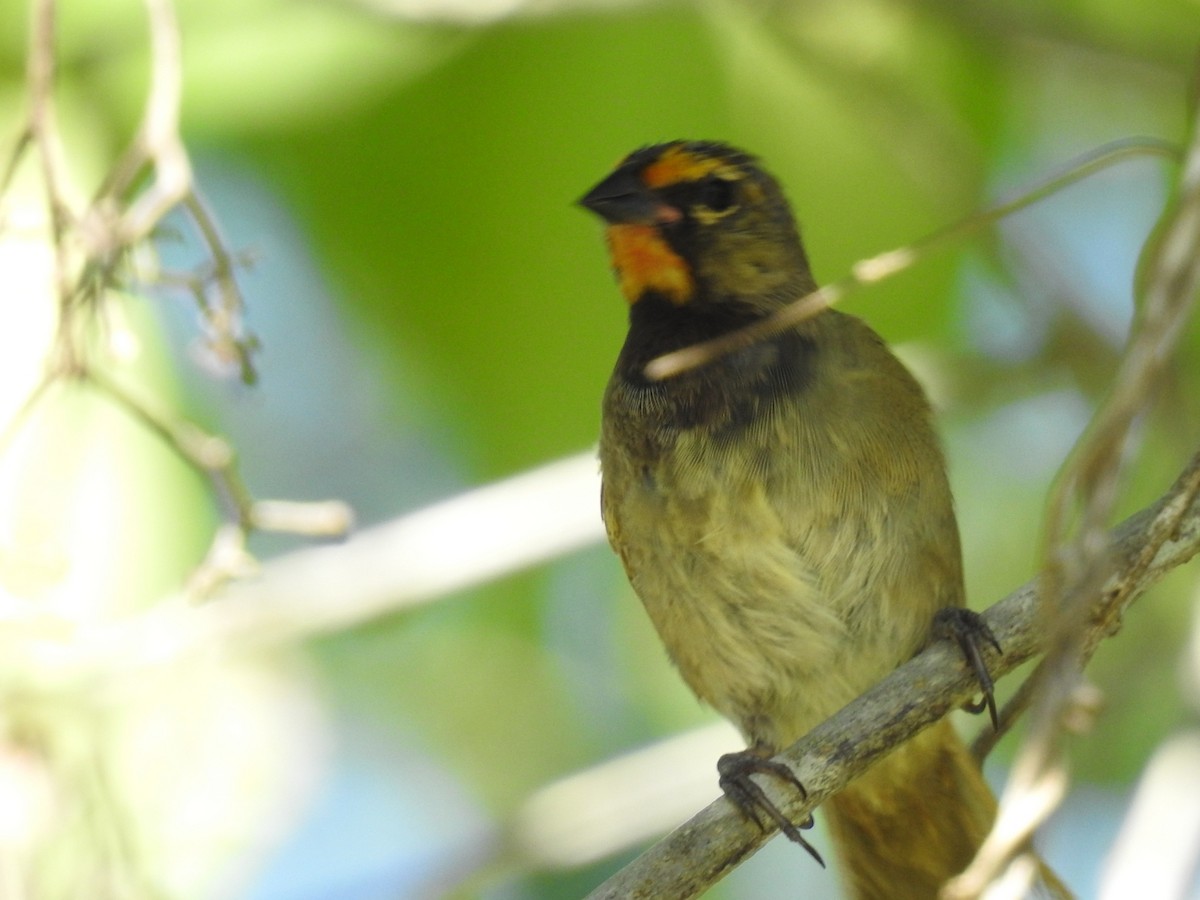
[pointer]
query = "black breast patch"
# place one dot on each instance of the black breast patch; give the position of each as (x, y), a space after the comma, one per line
(726, 395)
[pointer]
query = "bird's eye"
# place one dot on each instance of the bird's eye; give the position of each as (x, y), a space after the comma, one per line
(716, 194)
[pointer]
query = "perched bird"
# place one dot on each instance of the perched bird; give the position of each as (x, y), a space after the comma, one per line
(783, 511)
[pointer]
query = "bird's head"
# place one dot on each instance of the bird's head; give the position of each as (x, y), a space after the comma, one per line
(700, 224)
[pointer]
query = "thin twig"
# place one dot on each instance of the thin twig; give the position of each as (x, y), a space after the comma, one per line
(20, 147)
(9, 432)
(157, 142)
(43, 133)
(227, 340)
(90, 250)
(214, 459)
(1078, 554)
(209, 455)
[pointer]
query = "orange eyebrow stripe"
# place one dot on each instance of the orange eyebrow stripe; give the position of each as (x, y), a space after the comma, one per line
(676, 165)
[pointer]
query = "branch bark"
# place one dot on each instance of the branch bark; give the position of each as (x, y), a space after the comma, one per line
(710, 845)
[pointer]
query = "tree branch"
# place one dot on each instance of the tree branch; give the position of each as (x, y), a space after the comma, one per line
(460, 542)
(93, 246)
(1076, 547)
(706, 848)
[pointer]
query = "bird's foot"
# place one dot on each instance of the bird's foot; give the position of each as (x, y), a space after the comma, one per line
(968, 629)
(734, 771)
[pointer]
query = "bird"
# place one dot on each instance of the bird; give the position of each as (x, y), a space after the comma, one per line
(783, 511)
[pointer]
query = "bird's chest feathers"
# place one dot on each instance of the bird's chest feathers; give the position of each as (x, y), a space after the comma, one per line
(688, 463)
(741, 604)
(725, 536)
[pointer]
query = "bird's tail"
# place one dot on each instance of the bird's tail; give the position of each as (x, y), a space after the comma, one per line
(915, 819)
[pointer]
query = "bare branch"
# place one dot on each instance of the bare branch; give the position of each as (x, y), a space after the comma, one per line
(1077, 550)
(156, 143)
(91, 248)
(215, 460)
(466, 540)
(226, 339)
(43, 134)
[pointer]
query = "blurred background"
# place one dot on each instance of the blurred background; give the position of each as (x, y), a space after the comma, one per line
(436, 314)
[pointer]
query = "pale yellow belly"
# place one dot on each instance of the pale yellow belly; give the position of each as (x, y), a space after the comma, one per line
(774, 630)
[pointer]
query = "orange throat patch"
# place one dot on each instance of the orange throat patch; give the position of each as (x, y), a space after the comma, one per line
(645, 262)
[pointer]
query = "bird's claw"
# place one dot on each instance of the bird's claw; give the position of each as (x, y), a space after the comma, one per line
(734, 771)
(970, 632)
